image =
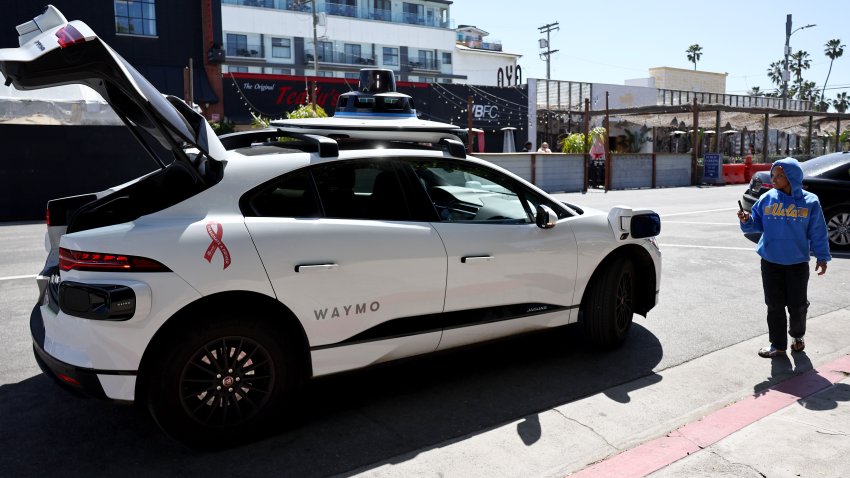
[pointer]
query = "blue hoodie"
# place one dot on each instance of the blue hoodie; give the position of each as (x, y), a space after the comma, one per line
(791, 225)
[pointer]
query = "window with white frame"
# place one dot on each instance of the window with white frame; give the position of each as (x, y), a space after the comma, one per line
(447, 58)
(281, 48)
(135, 17)
(390, 56)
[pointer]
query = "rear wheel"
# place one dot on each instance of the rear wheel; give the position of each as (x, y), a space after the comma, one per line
(838, 228)
(609, 304)
(220, 384)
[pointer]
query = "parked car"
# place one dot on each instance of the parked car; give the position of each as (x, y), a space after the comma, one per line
(211, 289)
(828, 177)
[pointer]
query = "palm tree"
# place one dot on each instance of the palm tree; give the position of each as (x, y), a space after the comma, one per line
(774, 72)
(807, 91)
(841, 102)
(756, 91)
(834, 49)
(694, 53)
(800, 61)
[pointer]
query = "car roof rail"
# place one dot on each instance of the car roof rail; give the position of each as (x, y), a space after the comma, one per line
(453, 147)
(327, 147)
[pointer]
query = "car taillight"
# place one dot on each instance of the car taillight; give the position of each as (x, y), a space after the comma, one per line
(47, 216)
(102, 262)
(68, 35)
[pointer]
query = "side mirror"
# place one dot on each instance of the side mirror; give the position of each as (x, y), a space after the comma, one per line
(645, 225)
(546, 218)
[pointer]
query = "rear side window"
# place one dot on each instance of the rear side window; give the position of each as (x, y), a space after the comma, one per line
(361, 190)
(344, 190)
(291, 196)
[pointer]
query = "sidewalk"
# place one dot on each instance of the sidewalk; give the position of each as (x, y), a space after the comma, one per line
(728, 413)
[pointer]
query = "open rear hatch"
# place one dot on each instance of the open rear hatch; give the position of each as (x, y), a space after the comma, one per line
(53, 51)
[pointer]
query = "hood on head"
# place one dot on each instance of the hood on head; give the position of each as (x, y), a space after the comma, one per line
(793, 172)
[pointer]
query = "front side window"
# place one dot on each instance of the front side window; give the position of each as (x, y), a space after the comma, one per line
(464, 192)
(281, 48)
(135, 17)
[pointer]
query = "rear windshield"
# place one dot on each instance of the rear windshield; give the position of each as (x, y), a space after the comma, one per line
(822, 164)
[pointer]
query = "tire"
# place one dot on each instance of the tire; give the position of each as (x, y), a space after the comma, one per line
(220, 384)
(838, 229)
(609, 305)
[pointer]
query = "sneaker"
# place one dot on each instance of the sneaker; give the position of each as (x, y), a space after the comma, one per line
(797, 345)
(770, 352)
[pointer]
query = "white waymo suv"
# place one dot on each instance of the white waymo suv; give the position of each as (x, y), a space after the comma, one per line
(210, 289)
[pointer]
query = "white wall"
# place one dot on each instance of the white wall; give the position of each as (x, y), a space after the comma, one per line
(481, 68)
(295, 24)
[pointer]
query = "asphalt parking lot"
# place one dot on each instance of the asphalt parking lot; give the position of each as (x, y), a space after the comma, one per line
(406, 416)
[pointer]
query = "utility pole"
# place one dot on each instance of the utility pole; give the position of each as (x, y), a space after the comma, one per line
(545, 43)
(315, 59)
(786, 74)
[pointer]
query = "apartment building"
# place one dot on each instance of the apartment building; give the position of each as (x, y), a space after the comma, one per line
(414, 38)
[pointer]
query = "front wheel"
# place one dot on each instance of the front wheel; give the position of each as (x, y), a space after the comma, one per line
(838, 229)
(220, 384)
(609, 304)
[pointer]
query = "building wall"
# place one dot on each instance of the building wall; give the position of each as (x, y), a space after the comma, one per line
(688, 80)
(260, 24)
(481, 68)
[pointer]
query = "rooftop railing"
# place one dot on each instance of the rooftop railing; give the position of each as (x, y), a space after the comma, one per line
(680, 97)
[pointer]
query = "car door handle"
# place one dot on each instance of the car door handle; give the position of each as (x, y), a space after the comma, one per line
(475, 259)
(316, 267)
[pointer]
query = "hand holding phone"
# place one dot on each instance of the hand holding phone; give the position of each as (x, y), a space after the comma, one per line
(744, 216)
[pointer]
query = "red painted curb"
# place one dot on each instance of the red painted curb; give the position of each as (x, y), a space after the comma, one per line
(656, 454)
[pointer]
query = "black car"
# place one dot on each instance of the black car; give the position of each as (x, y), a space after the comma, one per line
(828, 176)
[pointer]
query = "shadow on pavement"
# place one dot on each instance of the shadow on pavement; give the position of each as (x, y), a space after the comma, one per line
(348, 421)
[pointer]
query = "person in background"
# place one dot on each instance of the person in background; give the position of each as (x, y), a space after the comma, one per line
(526, 147)
(792, 224)
(544, 148)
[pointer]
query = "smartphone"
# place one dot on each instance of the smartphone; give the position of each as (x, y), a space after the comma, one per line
(740, 206)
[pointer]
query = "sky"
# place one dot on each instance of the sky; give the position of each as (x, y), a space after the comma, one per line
(610, 41)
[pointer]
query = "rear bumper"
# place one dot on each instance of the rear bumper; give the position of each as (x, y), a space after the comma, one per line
(79, 381)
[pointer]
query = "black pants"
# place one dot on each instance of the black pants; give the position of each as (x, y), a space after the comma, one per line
(785, 286)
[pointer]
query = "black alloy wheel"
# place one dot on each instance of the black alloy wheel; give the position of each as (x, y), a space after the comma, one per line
(227, 382)
(608, 305)
(221, 382)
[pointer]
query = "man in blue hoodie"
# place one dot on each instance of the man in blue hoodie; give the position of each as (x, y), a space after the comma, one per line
(792, 224)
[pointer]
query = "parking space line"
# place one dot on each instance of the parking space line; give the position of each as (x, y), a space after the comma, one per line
(698, 212)
(17, 277)
(703, 223)
(661, 244)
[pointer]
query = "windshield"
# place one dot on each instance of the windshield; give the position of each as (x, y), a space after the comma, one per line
(822, 164)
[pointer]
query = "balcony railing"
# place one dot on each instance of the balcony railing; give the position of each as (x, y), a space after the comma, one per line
(341, 9)
(495, 45)
(423, 64)
(245, 51)
(345, 10)
(294, 5)
(341, 57)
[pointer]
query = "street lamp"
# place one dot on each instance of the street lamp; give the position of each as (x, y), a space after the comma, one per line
(786, 75)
